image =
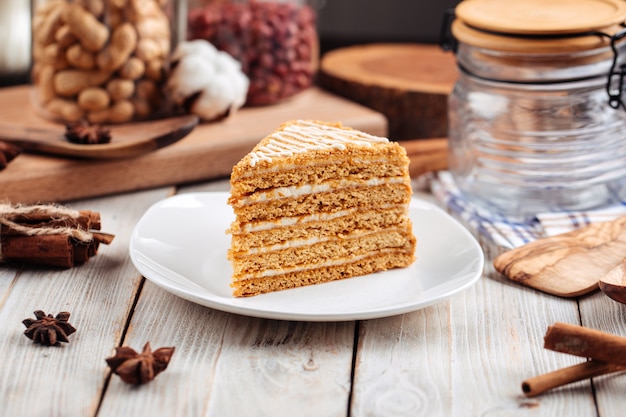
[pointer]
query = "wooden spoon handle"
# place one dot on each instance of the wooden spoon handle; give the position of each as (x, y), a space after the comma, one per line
(24, 136)
(128, 140)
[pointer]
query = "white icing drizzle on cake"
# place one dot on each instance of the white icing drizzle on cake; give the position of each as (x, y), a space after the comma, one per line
(304, 136)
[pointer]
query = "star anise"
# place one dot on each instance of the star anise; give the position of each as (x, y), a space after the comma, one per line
(48, 330)
(139, 368)
(87, 134)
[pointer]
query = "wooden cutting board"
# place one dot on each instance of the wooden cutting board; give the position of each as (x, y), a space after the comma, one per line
(208, 152)
(408, 83)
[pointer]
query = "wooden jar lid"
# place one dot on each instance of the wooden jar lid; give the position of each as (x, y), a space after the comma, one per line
(502, 25)
(541, 17)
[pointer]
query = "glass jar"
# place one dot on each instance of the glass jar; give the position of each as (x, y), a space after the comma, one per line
(14, 42)
(103, 61)
(275, 41)
(530, 125)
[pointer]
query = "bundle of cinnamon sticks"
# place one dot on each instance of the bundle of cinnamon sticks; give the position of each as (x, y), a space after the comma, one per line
(49, 235)
(606, 354)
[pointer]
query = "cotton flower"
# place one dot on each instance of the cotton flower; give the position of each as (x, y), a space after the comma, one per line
(207, 81)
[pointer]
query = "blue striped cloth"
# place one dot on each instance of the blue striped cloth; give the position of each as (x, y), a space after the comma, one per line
(510, 233)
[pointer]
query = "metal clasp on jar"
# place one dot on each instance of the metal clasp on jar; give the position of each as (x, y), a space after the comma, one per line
(615, 81)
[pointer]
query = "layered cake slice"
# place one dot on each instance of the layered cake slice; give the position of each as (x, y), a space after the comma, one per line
(317, 202)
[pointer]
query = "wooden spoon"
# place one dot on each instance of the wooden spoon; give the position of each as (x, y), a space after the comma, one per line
(127, 140)
(613, 283)
(570, 264)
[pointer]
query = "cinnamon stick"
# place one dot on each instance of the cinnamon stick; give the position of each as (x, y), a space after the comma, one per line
(82, 252)
(590, 369)
(426, 155)
(88, 220)
(49, 235)
(585, 342)
(50, 250)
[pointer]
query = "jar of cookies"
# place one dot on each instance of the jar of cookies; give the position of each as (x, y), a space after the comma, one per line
(275, 41)
(537, 119)
(103, 61)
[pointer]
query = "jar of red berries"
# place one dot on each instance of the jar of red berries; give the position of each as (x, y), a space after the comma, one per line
(275, 41)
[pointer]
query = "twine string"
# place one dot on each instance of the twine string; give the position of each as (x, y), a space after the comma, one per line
(10, 213)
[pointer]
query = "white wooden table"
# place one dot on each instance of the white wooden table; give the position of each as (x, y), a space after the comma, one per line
(465, 356)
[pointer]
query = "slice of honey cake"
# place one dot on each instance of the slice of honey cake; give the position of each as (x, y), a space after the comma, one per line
(316, 202)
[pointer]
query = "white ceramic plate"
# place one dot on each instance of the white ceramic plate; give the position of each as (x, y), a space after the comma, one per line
(180, 244)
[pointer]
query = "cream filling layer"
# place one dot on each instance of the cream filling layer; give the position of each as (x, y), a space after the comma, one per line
(334, 185)
(335, 262)
(291, 221)
(294, 243)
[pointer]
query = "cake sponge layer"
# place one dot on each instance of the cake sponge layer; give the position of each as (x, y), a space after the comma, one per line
(335, 225)
(309, 256)
(324, 202)
(375, 263)
(347, 165)
(317, 202)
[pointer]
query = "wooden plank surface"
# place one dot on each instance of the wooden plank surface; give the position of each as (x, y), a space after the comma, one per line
(465, 356)
(507, 329)
(231, 365)
(402, 364)
(68, 380)
(208, 152)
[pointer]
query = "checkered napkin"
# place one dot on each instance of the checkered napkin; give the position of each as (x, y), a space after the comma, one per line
(510, 233)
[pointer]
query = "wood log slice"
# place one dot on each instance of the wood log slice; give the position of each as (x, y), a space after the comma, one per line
(408, 83)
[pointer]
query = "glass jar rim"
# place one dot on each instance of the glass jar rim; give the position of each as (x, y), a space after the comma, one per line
(536, 44)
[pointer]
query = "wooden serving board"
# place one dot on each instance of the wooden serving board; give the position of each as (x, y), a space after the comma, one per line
(569, 264)
(208, 152)
(408, 83)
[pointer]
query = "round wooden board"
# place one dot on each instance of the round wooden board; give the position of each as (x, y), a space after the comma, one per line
(408, 83)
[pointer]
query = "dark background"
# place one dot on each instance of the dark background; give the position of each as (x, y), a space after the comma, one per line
(348, 22)
(343, 23)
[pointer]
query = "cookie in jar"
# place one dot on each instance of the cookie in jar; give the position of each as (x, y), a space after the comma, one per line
(103, 61)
